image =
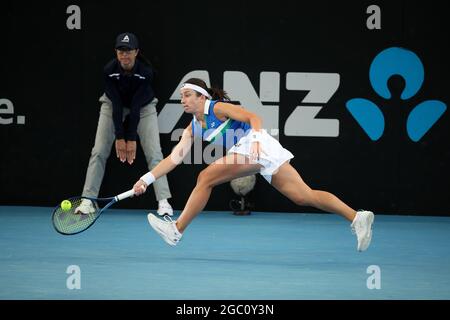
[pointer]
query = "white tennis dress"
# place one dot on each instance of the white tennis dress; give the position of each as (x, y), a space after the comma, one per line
(273, 154)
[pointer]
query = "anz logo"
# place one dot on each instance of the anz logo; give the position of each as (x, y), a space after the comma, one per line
(301, 122)
(405, 63)
(304, 120)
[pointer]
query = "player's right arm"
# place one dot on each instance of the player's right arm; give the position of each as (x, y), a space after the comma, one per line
(171, 162)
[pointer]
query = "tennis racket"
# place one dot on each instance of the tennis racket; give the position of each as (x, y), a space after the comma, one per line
(69, 222)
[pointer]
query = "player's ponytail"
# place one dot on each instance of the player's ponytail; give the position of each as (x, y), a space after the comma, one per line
(218, 94)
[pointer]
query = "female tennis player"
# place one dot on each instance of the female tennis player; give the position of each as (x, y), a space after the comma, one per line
(250, 150)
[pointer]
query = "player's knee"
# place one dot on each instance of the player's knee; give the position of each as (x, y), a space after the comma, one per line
(306, 199)
(204, 179)
(208, 179)
(300, 201)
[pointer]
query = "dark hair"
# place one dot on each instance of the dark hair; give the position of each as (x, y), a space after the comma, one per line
(216, 93)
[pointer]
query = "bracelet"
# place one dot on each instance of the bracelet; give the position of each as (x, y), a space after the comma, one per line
(148, 178)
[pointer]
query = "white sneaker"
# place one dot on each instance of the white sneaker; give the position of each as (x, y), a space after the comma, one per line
(166, 229)
(85, 207)
(164, 208)
(362, 227)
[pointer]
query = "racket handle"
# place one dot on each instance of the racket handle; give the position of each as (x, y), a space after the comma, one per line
(125, 195)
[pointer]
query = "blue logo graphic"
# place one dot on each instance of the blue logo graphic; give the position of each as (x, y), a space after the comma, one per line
(405, 63)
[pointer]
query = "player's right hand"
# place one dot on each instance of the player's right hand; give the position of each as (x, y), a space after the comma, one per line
(139, 188)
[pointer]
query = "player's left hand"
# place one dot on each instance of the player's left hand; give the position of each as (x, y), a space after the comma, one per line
(255, 151)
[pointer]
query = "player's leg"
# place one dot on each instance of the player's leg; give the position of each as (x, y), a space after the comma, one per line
(289, 182)
(223, 170)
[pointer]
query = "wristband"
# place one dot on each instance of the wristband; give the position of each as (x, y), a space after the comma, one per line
(148, 178)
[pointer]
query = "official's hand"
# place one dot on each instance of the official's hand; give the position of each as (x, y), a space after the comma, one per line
(131, 151)
(121, 149)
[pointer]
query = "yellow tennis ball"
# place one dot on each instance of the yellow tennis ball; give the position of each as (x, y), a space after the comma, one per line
(66, 205)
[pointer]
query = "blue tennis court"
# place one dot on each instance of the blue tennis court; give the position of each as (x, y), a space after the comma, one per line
(222, 256)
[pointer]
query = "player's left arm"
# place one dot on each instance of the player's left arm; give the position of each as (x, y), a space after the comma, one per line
(237, 112)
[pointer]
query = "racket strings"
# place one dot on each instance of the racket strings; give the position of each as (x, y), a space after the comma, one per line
(71, 222)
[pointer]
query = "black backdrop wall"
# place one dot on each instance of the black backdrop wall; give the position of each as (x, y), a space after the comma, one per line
(293, 55)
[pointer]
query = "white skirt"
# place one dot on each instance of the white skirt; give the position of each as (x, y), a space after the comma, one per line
(272, 156)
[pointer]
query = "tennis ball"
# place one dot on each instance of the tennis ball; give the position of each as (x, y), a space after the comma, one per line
(66, 205)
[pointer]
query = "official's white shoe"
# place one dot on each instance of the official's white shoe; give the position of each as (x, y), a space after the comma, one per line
(164, 208)
(166, 228)
(85, 207)
(362, 227)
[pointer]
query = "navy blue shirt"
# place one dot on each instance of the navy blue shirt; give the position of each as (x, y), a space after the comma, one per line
(131, 90)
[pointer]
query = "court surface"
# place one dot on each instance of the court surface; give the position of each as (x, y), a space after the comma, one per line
(221, 256)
